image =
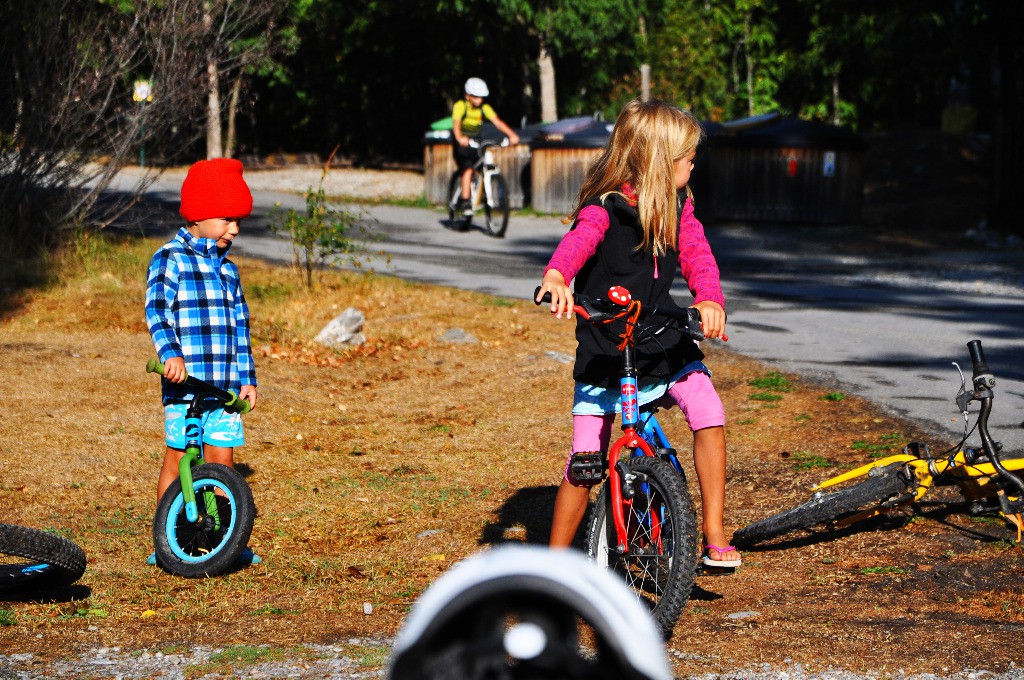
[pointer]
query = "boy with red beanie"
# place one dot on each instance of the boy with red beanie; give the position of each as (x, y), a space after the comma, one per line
(198, 317)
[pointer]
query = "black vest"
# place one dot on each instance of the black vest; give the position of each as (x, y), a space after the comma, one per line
(617, 262)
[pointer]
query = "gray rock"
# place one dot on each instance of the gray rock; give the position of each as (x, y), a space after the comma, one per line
(343, 330)
(457, 335)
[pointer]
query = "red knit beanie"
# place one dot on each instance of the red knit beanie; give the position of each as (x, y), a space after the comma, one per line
(215, 188)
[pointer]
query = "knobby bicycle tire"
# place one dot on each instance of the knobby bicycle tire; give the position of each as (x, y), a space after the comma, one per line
(212, 544)
(496, 215)
(662, 575)
(30, 558)
(886, 483)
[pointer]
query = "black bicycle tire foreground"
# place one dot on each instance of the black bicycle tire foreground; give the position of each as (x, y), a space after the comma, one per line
(496, 217)
(37, 559)
(882, 485)
(673, 574)
(202, 538)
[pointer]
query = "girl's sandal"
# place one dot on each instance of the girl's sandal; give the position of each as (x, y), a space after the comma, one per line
(710, 562)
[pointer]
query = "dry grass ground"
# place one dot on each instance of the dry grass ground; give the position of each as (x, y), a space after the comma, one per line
(376, 469)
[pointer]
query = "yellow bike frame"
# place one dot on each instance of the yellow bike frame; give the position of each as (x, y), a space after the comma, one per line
(974, 480)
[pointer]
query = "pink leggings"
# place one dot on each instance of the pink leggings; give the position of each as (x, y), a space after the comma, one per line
(694, 394)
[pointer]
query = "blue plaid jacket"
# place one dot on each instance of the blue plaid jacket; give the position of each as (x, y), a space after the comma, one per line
(195, 309)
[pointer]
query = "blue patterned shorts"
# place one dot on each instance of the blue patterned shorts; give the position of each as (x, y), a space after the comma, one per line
(220, 428)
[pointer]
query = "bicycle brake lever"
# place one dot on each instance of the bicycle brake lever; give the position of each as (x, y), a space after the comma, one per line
(962, 398)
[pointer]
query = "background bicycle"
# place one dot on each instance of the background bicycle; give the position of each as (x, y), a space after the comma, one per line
(488, 193)
(642, 525)
(204, 519)
(988, 480)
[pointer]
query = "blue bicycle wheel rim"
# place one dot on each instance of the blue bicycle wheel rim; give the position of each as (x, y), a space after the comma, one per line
(177, 508)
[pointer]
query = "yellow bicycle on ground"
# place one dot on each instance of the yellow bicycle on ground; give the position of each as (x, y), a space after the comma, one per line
(987, 478)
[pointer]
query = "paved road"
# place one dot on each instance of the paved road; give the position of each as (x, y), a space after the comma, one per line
(875, 323)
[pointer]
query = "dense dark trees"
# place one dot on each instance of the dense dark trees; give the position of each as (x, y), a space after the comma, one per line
(371, 75)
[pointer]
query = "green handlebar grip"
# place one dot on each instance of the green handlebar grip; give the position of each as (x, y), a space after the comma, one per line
(231, 400)
(154, 366)
(242, 406)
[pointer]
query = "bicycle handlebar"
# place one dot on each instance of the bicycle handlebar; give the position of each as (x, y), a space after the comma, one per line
(230, 399)
(599, 310)
(982, 376)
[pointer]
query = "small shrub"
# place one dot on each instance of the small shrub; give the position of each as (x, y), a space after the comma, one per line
(319, 234)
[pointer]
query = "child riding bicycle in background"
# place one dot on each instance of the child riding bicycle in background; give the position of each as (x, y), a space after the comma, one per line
(198, 318)
(467, 121)
(633, 224)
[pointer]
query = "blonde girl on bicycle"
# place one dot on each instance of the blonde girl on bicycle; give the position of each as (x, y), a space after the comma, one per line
(633, 226)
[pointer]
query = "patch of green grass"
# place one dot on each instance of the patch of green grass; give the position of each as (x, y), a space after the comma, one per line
(884, 447)
(498, 302)
(803, 418)
(87, 613)
(747, 421)
(987, 520)
(248, 654)
(8, 618)
(368, 656)
(882, 570)
(833, 396)
(268, 291)
(805, 460)
(267, 610)
(225, 661)
(765, 396)
(772, 382)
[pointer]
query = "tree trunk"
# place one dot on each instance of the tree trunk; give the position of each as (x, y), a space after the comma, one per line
(750, 67)
(236, 95)
(835, 98)
(548, 103)
(214, 147)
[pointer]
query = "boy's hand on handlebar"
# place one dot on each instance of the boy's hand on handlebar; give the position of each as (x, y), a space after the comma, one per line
(174, 370)
(712, 319)
(561, 295)
(248, 392)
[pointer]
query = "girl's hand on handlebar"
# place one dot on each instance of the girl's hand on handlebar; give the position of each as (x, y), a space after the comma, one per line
(561, 295)
(712, 319)
(248, 392)
(174, 370)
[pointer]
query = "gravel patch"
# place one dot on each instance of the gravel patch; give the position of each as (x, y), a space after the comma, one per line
(379, 185)
(330, 661)
(309, 661)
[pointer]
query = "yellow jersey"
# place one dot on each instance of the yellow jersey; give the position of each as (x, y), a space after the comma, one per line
(471, 117)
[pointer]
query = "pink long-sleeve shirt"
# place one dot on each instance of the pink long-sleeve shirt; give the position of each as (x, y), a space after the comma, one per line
(696, 262)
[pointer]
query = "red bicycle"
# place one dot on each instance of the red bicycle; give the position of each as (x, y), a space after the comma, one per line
(643, 525)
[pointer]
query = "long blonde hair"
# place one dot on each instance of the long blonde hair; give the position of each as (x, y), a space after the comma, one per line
(647, 140)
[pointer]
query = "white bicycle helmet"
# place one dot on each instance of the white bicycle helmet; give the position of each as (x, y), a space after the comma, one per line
(517, 613)
(477, 87)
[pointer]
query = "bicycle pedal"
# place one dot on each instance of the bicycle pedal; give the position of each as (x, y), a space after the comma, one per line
(587, 467)
(706, 570)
